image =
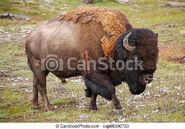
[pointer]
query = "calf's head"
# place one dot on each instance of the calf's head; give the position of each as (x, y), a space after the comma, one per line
(140, 45)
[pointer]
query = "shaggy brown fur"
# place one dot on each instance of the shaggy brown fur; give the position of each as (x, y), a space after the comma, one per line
(89, 34)
(113, 23)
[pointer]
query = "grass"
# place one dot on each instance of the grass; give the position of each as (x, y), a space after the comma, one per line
(161, 102)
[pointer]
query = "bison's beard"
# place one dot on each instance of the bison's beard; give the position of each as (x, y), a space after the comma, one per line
(137, 83)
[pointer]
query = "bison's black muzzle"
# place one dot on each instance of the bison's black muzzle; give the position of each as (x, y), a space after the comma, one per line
(140, 89)
(145, 79)
(141, 84)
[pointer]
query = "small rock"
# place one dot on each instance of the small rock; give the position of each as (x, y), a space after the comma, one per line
(121, 90)
(183, 101)
(80, 6)
(157, 95)
(73, 96)
(2, 31)
(122, 119)
(122, 1)
(20, 78)
(19, 54)
(87, 1)
(16, 80)
(14, 16)
(156, 110)
(14, 84)
(171, 25)
(28, 91)
(173, 4)
(149, 84)
(3, 75)
(182, 32)
(84, 117)
(177, 87)
(166, 90)
(76, 80)
(2, 86)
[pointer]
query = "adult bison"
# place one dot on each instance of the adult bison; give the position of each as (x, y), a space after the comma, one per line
(91, 34)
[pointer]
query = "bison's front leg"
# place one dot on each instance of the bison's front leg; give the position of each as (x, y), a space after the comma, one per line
(116, 105)
(100, 84)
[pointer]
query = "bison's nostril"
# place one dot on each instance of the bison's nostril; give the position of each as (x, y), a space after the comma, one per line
(151, 76)
(147, 78)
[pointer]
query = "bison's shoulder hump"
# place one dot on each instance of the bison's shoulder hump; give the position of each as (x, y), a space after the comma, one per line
(113, 23)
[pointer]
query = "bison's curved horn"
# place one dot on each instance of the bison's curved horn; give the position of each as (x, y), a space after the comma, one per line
(126, 44)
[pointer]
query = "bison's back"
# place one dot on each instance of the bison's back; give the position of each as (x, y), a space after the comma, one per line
(99, 27)
(54, 38)
(87, 33)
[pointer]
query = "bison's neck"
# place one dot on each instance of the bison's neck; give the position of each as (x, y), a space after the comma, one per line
(116, 76)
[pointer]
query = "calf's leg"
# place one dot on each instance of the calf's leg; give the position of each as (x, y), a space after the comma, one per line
(93, 105)
(100, 84)
(90, 94)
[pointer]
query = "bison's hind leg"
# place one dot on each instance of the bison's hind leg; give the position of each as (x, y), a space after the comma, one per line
(41, 85)
(35, 94)
(39, 82)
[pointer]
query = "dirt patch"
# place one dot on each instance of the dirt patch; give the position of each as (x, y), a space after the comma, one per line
(172, 53)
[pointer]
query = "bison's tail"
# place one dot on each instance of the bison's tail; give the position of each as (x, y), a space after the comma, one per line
(32, 61)
(28, 53)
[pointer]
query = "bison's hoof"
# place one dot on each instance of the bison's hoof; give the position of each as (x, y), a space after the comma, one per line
(118, 111)
(36, 107)
(49, 108)
(93, 108)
